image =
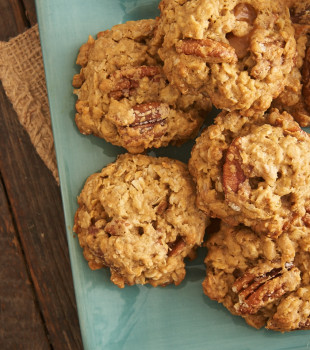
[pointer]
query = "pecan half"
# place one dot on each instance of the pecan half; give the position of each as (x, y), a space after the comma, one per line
(149, 125)
(148, 115)
(210, 50)
(233, 174)
(262, 285)
(122, 83)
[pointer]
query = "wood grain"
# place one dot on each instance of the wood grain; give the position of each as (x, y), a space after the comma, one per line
(12, 19)
(34, 216)
(30, 11)
(19, 313)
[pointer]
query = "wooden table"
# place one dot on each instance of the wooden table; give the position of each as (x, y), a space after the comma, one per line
(37, 302)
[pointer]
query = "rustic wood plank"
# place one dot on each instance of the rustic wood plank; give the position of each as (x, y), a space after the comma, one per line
(19, 315)
(12, 19)
(21, 324)
(37, 209)
(30, 11)
(36, 204)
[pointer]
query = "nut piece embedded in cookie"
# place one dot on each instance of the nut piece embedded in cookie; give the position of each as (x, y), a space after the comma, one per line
(138, 218)
(150, 122)
(210, 50)
(233, 175)
(262, 285)
(261, 279)
(124, 96)
(122, 83)
(254, 171)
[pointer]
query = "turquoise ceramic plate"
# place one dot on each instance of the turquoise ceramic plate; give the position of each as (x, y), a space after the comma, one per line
(139, 317)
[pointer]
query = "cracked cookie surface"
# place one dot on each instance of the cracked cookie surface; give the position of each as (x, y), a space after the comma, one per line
(138, 218)
(264, 280)
(254, 171)
(124, 96)
(239, 52)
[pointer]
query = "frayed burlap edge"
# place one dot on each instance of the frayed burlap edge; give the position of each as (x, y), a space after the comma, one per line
(23, 79)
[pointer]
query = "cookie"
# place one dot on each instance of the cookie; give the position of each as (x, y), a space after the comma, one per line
(138, 218)
(239, 53)
(264, 280)
(295, 99)
(124, 96)
(254, 171)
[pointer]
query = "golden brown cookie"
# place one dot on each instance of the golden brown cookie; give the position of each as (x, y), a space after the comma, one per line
(138, 218)
(254, 171)
(124, 96)
(295, 99)
(239, 53)
(264, 280)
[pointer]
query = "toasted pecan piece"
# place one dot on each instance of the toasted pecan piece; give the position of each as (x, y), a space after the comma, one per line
(149, 123)
(210, 50)
(162, 206)
(176, 247)
(264, 284)
(233, 174)
(148, 114)
(123, 82)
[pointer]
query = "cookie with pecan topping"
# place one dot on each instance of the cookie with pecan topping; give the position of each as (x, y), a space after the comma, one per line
(239, 52)
(138, 218)
(254, 171)
(264, 280)
(124, 96)
(295, 99)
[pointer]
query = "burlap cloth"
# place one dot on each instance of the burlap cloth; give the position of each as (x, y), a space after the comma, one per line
(22, 76)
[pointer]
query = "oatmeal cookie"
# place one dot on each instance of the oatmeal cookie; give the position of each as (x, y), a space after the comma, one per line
(138, 218)
(239, 53)
(254, 171)
(124, 96)
(264, 280)
(295, 99)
